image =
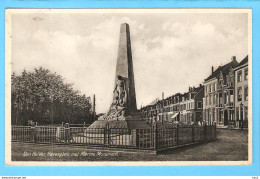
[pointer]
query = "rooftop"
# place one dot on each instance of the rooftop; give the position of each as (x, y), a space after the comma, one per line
(244, 61)
(224, 69)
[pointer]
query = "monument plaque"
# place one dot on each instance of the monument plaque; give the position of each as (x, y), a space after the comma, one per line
(123, 111)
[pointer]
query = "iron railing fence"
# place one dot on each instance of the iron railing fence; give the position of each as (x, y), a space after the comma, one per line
(22, 133)
(154, 139)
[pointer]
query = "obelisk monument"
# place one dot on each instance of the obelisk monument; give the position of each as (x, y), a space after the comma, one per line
(123, 111)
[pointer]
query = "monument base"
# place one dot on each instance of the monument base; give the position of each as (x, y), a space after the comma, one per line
(127, 122)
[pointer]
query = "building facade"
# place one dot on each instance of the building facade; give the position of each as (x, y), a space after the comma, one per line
(218, 102)
(223, 99)
(191, 105)
(180, 108)
(241, 94)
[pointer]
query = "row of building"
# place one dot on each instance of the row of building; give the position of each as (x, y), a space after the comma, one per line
(222, 98)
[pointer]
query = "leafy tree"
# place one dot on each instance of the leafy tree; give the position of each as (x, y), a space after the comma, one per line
(42, 96)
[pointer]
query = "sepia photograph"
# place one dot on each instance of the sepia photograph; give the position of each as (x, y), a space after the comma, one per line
(128, 87)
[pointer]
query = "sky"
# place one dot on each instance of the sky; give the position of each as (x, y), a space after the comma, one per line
(171, 51)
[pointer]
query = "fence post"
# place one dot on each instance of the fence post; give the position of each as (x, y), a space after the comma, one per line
(205, 131)
(177, 135)
(67, 133)
(155, 138)
(215, 131)
(210, 128)
(193, 133)
(85, 136)
(108, 135)
(32, 133)
(105, 134)
(104, 137)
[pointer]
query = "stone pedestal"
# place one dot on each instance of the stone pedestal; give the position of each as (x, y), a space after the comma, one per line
(125, 124)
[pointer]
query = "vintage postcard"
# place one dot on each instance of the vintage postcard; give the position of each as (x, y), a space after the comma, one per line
(125, 87)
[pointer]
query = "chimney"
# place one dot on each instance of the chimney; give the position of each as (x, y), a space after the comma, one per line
(212, 70)
(162, 95)
(233, 58)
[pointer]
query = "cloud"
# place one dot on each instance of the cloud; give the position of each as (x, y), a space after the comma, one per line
(178, 57)
(169, 55)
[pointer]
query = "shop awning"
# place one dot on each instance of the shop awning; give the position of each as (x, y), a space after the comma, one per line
(174, 116)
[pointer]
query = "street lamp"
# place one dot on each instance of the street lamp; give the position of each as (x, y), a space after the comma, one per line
(241, 114)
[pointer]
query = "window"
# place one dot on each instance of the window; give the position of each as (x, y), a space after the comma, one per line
(246, 73)
(229, 81)
(220, 98)
(199, 104)
(213, 99)
(220, 82)
(231, 96)
(231, 92)
(227, 98)
(239, 76)
(239, 94)
(209, 88)
(246, 93)
(246, 118)
(209, 99)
